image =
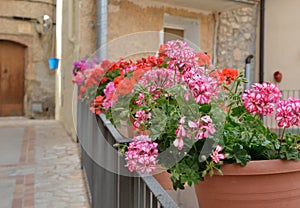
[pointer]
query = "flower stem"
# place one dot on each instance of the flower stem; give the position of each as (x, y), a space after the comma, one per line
(236, 83)
(281, 140)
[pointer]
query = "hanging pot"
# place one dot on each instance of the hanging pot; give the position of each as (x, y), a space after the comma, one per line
(53, 63)
(260, 184)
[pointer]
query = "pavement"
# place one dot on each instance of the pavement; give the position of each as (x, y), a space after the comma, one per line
(39, 166)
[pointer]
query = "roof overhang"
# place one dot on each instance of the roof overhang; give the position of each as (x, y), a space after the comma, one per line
(208, 5)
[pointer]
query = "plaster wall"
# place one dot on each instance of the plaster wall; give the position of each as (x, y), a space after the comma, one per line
(39, 80)
(78, 42)
(139, 25)
(282, 51)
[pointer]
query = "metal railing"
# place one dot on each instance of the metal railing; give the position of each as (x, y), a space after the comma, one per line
(109, 183)
(271, 122)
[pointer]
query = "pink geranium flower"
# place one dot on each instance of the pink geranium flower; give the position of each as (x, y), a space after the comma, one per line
(261, 98)
(159, 79)
(216, 155)
(109, 93)
(180, 134)
(201, 87)
(141, 117)
(204, 127)
(78, 78)
(142, 154)
(141, 99)
(288, 113)
(295, 102)
(183, 56)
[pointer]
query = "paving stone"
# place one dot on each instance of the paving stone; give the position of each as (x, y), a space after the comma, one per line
(57, 179)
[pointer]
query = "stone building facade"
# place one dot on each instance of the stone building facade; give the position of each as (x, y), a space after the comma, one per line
(136, 27)
(128, 28)
(238, 37)
(19, 26)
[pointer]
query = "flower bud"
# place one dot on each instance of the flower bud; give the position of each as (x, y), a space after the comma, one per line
(203, 157)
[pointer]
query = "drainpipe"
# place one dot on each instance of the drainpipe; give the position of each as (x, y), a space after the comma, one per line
(102, 14)
(261, 42)
(248, 71)
(217, 22)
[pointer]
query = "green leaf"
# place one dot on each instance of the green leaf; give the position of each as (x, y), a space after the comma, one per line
(238, 111)
(164, 65)
(205, 108)
(240, 155)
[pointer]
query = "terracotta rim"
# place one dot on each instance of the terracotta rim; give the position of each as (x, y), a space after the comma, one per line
(262, 167)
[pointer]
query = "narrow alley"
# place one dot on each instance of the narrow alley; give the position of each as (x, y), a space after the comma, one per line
(39, 165)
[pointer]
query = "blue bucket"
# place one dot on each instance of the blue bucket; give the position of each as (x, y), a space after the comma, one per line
(53, 63)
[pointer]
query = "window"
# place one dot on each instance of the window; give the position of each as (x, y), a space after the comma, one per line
(176, 27)
(173, 34)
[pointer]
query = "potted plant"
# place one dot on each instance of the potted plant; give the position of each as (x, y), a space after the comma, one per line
(199, 124)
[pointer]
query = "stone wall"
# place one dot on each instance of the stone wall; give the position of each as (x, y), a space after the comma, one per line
(237, 37)
(39, 80)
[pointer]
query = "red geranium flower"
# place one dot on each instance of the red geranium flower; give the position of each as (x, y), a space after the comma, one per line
(229, 74)
(125, 86)
(203, 59)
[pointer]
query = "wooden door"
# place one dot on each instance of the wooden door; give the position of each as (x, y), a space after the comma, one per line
(12, 62)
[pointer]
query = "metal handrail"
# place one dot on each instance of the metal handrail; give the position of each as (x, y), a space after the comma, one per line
(124, 191)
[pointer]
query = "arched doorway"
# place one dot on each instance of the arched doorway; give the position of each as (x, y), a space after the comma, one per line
(12, 65)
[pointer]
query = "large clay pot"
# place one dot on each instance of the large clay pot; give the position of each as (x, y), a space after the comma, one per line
(260, 184)
(163, 178)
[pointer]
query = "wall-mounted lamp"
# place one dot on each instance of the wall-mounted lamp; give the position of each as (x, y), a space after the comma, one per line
(277, 76)
(43, 24)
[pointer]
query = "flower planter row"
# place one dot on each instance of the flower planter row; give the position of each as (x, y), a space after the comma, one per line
(109, 183)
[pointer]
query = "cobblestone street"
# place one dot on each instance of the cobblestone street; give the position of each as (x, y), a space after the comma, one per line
(39, 166)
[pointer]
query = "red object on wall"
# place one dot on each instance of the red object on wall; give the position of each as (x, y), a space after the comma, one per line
(277, 76)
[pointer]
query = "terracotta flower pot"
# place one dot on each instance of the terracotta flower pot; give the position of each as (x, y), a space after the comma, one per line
(260, 184)
(163, 178)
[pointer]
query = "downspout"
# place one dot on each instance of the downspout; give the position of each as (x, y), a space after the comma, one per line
(262, 42)
(217, 22)
(102, 23)
(248, 71)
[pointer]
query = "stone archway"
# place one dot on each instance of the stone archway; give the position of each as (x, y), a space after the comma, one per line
(12, 70)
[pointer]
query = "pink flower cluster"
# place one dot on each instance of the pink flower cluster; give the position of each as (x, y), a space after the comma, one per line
(216, 155)
(78, 78)
(204, 127)
(183, 56)
(159, 79)
(155, 81)
(261, 98)
(142, 154)
(181, 133)
(109, 92)
(201, 87)
(141, 118)
(141, 100)
(80, 66)
(288, 113)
